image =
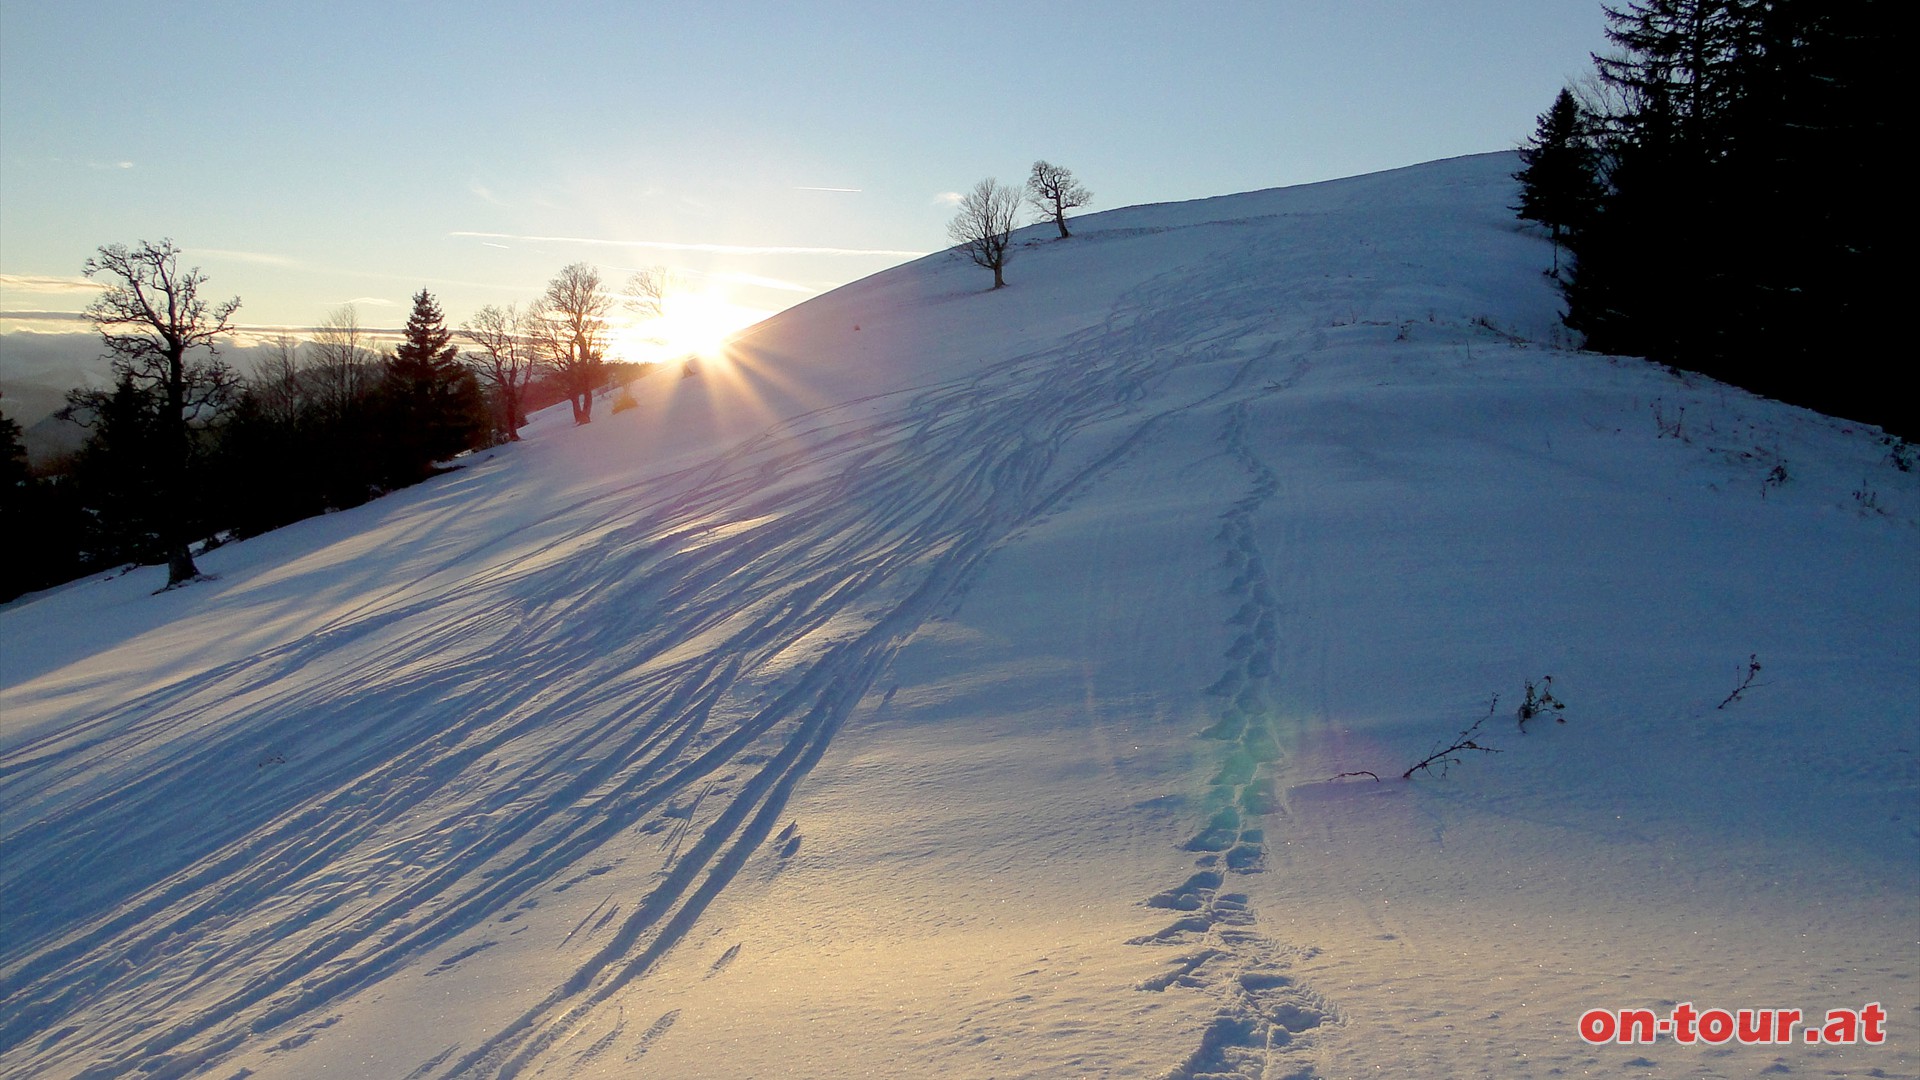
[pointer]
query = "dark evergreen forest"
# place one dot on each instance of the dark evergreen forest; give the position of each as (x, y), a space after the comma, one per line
(1720, 188)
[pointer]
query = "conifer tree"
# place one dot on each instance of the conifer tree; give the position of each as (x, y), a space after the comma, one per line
(1748, 158)
(427, 350)
(1559, 183)
(41, 526)
(13, 458)
(431, 406)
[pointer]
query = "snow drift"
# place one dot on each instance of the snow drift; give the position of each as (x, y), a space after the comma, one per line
(953, 682)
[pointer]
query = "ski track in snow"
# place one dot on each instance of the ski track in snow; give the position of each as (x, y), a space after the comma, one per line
(443, 757)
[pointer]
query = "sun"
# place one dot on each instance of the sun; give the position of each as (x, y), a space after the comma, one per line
(691, 323)
(700, 323)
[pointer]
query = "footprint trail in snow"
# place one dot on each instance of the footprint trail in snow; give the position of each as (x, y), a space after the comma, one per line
(1263, 1026)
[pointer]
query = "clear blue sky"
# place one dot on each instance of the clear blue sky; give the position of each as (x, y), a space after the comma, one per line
(309, 155)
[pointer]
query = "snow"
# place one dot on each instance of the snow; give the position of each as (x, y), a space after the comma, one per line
(954, 684)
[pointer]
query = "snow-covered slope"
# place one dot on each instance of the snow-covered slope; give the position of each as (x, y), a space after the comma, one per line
(955, 683)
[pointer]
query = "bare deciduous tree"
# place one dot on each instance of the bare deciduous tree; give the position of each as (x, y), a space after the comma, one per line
(1052, 191)
(343, 368)
(152, 318)
(503, 358)
(982, 228)
(568, 328)
(647, 290)
(277, 382)
(645, 295)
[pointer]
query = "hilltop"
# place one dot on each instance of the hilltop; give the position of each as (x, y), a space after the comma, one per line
(968, 683)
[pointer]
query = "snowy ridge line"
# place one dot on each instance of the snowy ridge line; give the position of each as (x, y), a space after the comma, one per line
(462, 746)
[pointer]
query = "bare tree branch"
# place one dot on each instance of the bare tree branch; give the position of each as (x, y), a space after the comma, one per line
(647, 290)
(504, 358)
(343, 369)
(151, 318)
(568, 327)
(983, 227)
(1052, 191)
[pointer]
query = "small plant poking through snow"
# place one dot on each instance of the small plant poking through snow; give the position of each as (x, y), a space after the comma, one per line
(1899, 452)
(1539, 700)
(1753, 670)
(1440, 759)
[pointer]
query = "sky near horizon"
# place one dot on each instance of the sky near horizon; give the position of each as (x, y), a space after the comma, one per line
(310, 156)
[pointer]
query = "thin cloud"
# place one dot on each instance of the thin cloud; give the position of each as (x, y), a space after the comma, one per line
(98, 165)
(43, 316)
(762, 282)
(367, 300)
(261, 257)
(948, 198)
(667, 245)
(48, 283)
(251, 335)
(485, 193)
(259, 330)
(849, 190)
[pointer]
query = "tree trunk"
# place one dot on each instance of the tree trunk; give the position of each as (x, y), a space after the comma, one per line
(180, 567)
(998, 281)
(1061, 220)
